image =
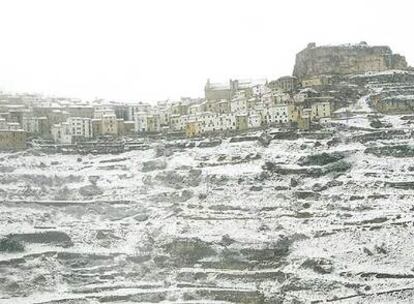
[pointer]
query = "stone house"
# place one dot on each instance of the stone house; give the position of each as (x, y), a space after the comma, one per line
(54, 115)
(109, 124)
(36, 126)
(304, 120)
(320, 110)
(242, 122)
(125, 127)
(17, 113)
(12, 139)
(192, 128)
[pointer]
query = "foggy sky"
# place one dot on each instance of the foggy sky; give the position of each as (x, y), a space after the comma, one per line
(158, 49)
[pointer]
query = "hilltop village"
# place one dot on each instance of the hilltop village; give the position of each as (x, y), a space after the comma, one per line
(291, 191)
(328, 83)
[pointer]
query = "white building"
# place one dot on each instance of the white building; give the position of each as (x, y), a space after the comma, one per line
(146, 122)
(267, 98)
(34, 125)
(103, 111)
(212, 122)
(259, 90)
(141, 122)
(195, 108)
(80, 126)
(280, 97)
(74, 128)
(239, 104)
(277, 114)
(254, 120)
(138, 108)
(299, 98)
(164, 115)
(178, 122)
(61, 133)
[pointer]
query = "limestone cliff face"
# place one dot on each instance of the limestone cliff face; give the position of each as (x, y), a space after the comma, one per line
(345, 59)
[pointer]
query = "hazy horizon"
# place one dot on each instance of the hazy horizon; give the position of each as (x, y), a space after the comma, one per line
(157, 50)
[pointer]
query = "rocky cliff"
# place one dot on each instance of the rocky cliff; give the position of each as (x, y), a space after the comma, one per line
(345, 59)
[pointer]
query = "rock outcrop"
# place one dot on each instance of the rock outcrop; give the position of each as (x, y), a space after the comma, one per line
(345, 59)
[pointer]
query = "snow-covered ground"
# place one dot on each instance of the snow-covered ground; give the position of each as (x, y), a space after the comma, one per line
(235, 223)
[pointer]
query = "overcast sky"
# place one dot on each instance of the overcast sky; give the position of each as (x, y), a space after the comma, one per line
(158, 49)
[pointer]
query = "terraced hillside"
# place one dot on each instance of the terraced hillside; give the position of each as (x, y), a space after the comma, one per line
(392, 91)
(326, 217)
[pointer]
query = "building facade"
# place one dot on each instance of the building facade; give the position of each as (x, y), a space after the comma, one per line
(12, 139)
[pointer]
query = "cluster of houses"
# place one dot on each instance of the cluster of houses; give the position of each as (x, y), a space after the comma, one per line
(226, 108)
(236, 106)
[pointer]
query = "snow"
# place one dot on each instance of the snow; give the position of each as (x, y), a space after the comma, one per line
(380, 73)
(114, 230)
(362, 106)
